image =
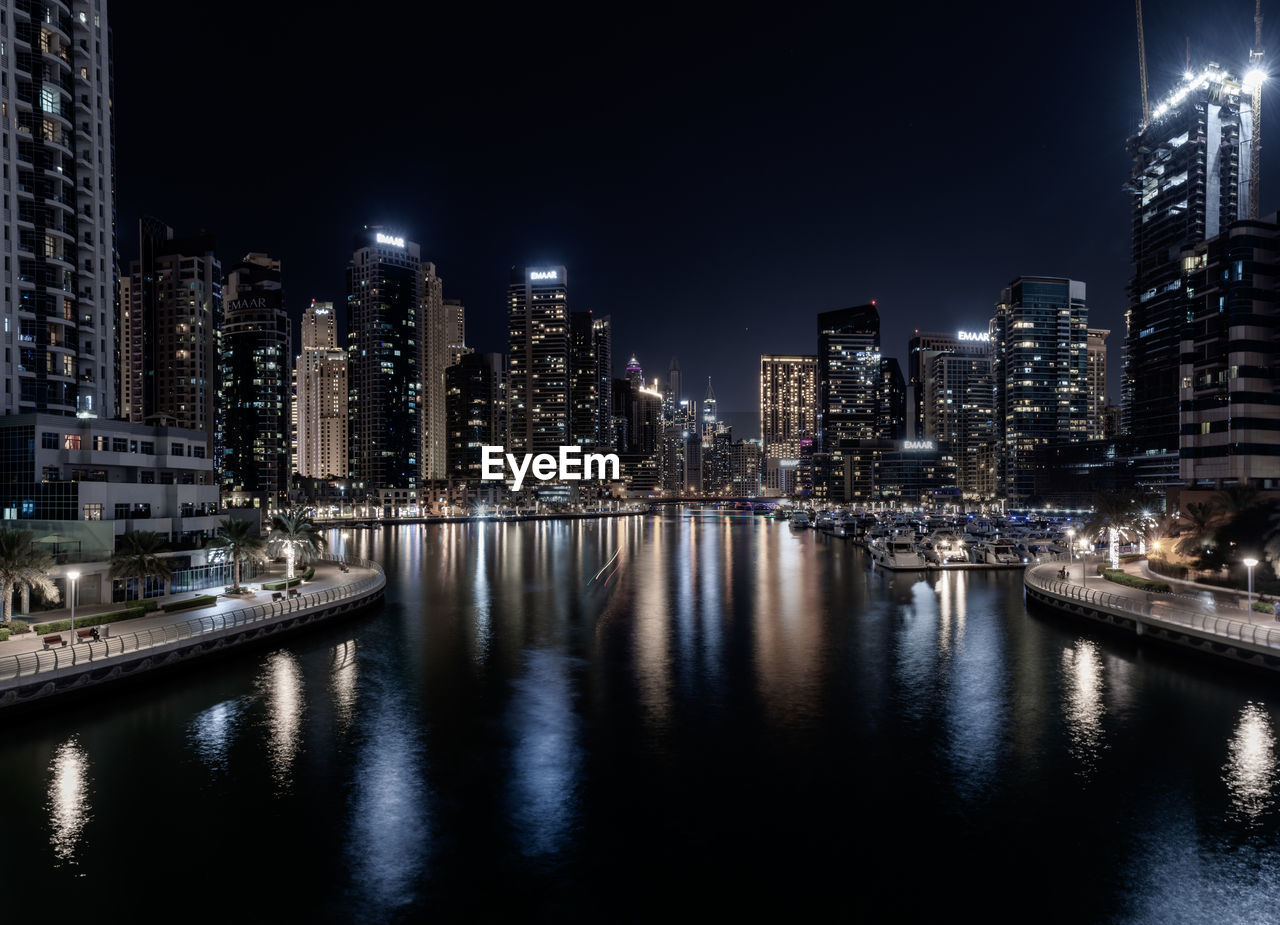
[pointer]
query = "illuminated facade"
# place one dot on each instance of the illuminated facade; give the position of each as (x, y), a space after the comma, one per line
(1097, 377)
(538, 360)
(1039, 361)
(385, 356)
(476, 409)
(170, 311)
(321, 396)
(253, 392)
(1229, 404)
(443, 335)
(959, 415)
(1186, 183)
(788, 404)
(59, 210)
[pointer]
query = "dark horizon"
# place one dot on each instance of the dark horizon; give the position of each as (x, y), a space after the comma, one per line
(711, 184)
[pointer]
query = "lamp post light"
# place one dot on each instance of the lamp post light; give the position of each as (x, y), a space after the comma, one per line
(72, 577)
(1071, 546)
(1249, 564)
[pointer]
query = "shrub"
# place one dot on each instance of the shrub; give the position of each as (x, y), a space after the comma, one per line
(4, 634)
(19, 626)
(295, 580)
(1167, 569)
(1132, 556)
(98, 619)
(1133, 581)
(1262, 606)
(203, 600)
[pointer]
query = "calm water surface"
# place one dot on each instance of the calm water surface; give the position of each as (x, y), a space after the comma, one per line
(737, 719)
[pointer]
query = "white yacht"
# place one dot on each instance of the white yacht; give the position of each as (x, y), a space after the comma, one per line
(898, 553)
(998, 552)
(800, 519)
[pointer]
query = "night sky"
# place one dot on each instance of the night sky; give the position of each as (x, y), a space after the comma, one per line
(712, 182)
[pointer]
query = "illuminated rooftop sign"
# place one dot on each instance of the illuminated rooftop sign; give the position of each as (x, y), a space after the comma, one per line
(388, 239)
(917, 444)
(981, 337)
(542, 274)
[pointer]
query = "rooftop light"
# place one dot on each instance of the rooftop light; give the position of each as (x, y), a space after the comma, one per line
(1254, 79)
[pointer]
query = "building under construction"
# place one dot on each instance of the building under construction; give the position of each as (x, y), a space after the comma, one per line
(1191, 167)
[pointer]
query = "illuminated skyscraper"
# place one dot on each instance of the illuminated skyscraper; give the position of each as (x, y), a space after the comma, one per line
(1040, 365)
(253, 392)
(1230, 396)
(170, 310)
(1189, 182)
(788, 404)
(385, 360)
(321, 397)
(538, 360)
(635, 375)
(1098, 383)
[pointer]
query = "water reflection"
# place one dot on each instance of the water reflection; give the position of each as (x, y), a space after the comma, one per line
(977, 704)
(389, 838)
(1250, 772)
(68, 802)
(1083, 707)
(344, 684)
(545, 759)
(282, 684)
(210, 732)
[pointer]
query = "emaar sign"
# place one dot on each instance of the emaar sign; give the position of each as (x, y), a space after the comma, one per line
(981, 337)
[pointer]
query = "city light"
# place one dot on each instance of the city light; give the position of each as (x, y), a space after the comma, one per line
(1254, 79)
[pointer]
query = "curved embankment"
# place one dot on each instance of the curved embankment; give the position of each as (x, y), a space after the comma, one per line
(38, 676)
(1177, 619)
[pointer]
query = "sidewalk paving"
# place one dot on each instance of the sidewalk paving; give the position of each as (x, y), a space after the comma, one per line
(327, 575)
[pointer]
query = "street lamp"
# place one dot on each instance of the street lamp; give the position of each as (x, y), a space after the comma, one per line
(72, 576)
(1071, 548)
(1249, 564)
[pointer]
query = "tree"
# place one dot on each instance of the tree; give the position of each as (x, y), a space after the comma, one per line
(239, 542)
(1117, 515)
(294, 534)
(1196, 527)
(139, 558)
(21, 563)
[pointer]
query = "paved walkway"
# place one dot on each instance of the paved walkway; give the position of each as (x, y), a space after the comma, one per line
(327, 575)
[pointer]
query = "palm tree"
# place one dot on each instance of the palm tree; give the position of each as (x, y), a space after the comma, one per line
(238, 541)
(1197, 526)
(295, 534)
(1117, 515)
(139, 558)
(21, 563)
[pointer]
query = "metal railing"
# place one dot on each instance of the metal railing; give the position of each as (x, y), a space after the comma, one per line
(28, 664)
(1205, 622)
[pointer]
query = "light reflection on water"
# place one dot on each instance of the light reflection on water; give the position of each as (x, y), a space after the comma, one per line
(1250, 771)
(545, 758)
(345, 684)
(1083, 705)
(210, 732)
(284, 690)
(68, 802)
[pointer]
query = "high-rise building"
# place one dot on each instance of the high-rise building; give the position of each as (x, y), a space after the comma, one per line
(959, 415)
(584, 383)
(602, 333)
(1188, 182)
(635, 374)
(385, 361)
(1230, 397)
(170, 313)
(538, 360)
(746, 461)
(849, 399)
(476, 412)
(59, 212)
(443, 342)
(254, 342)
(891, 404)
(1039, 341)
(717, 446)
(1097, 383)
(918, 345)
(788, 404)
(321, 396)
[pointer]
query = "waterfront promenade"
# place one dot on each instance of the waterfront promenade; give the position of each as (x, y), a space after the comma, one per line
(24, 658)
(1209, 619)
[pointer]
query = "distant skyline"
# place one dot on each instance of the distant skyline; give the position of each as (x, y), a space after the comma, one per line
(711, 183)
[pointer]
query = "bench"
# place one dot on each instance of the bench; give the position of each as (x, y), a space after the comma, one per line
(87, 635)
(54, 640)
(294, 592)
(277, 596)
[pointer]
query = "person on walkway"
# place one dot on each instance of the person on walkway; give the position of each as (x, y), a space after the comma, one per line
(1275, 609)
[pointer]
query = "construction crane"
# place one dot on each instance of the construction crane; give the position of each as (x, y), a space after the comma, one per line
(1253, 79)
(1142, 66)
